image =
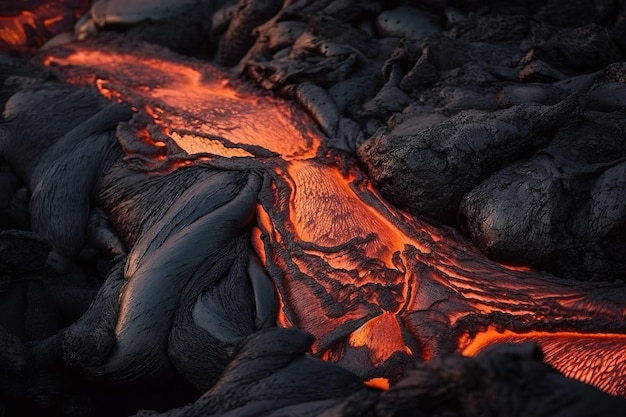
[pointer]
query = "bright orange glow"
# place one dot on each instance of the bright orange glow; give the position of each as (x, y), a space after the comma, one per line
(51, 21)
(594, 358)
(382, 336)
(13, 28)
(371, 283)
(326, 210)
(26, 25)
(106, 92)
(204, 101)
(517, 268)
(193, 144)
(378, 383)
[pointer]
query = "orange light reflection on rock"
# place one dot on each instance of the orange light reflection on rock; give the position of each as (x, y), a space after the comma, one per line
(258, 245)
(517, 268)
(600, 358)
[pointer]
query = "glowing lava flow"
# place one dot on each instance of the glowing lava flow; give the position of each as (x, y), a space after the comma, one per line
(27, 24)
(376, 287)
(596, 353)
(196, 101)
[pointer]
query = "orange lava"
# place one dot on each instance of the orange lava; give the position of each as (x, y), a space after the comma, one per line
(600, 357)
(13, 29)
(204, 101)
(375, 286)
(326, 210)
(382, 336)
(378, 383)
(28, 24)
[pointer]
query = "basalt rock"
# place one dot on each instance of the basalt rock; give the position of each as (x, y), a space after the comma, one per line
(508, 380)
(183, 26)
(563, 209)
(215, 210)
(22, 253)
(585, 48)
(427, 172)
(239, 36)
(59, 202)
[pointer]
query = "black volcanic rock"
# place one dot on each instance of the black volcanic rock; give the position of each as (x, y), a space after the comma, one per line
(427, 172)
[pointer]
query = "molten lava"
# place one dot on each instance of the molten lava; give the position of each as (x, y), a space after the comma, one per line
(196, 101)
(26, 25)
(376, 287)
(596, 353)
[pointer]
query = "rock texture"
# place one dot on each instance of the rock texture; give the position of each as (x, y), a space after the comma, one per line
(126, 262)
